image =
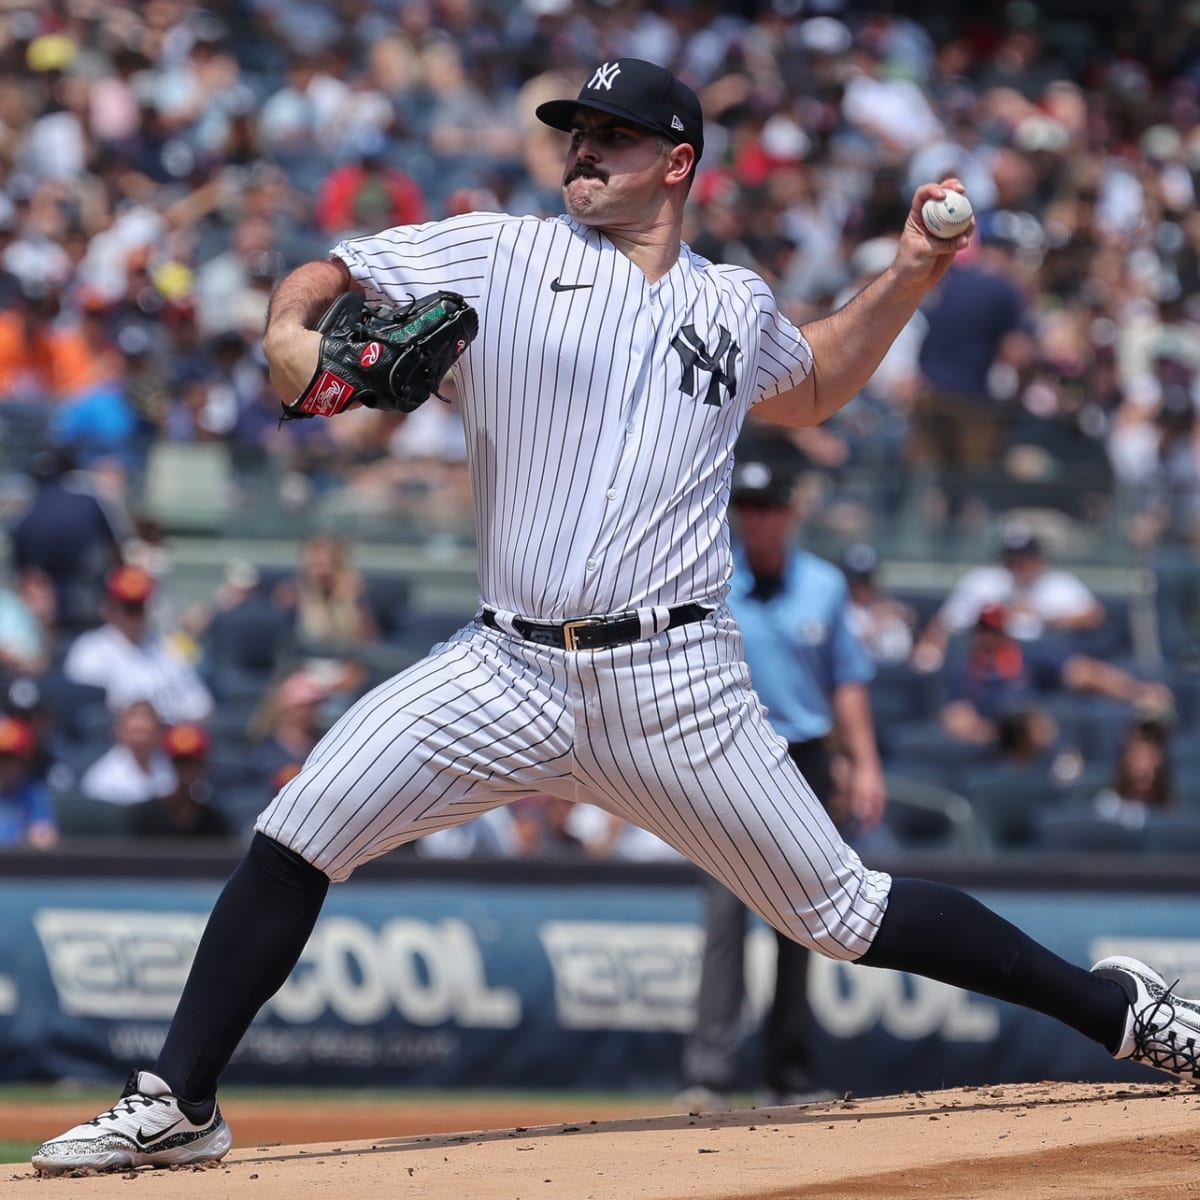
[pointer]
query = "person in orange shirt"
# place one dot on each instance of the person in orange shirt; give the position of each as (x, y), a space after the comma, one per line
(40, 359)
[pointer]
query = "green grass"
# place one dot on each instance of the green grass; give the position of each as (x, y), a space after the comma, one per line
(91, 1098)
(102, 1096)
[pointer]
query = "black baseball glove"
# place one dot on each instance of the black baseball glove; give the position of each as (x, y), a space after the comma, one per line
(383, 356)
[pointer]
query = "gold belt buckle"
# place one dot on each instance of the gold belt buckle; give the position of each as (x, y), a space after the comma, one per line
(570, 637)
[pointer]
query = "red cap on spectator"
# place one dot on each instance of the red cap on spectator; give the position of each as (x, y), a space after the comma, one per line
(16, 738)
(993, 616)
(186, 740)
(131, 585)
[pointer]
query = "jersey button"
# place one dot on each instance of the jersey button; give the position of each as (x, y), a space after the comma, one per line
(612, 493)
(591, 564)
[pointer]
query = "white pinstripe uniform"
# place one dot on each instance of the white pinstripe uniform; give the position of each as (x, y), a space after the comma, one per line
(601, 412)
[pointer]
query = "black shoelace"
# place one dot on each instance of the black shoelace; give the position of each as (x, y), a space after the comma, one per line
(1164, 1050)
(130, 1100)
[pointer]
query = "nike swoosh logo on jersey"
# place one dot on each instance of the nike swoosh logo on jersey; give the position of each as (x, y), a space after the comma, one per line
(144, 1141)
(555, 286)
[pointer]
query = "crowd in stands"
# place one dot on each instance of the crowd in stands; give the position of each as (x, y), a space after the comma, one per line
(1016, 688)
(163, 164)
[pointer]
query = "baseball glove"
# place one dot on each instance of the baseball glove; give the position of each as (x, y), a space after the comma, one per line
(383, 356)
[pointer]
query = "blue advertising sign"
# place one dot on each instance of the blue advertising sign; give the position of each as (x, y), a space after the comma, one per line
(541, 986)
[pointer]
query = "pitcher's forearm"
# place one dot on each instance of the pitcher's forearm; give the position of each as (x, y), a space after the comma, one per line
(304, 294)
(290, 343)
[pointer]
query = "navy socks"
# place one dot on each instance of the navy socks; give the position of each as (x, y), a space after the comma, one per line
(254, 936)
(944, 934)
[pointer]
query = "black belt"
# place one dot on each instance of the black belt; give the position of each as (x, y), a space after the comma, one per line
(593, 633)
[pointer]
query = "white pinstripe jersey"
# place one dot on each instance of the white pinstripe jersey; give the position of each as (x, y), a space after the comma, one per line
(601, 412)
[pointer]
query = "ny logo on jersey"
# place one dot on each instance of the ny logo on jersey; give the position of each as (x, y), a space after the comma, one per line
(721, 363)
(604, 76)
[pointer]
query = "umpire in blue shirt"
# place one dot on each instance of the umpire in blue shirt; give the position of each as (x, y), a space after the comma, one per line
(811, 673)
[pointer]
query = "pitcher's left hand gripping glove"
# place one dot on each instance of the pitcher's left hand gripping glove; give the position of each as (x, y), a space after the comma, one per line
(383, 356)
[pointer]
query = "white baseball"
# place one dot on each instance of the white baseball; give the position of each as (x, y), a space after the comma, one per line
(949, 217)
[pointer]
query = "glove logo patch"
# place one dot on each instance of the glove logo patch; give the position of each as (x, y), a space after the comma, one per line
(370, 354)
(328, 396)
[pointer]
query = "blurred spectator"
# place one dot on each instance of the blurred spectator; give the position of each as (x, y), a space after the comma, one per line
(885, 626)
(241, 634)
(1037, 599)
(462, 120)
(423, 469)
(98, 422)
(328, 596)
(367, 193)
(303, 455)
(875, 425)
(1166, 491)
(540, 828)
(303, 117)
(136, 767)
(26, 811)
(888, 108)
(68, 536)
(605, 835)
(978, 319)
(233, 287)
(55, 755)
(142, 183)
(1025, 737)
(186, 811)
(26, 624)
(288, 722)
(132, 661)
(1141, 780)
(490, 835)
(999, 675)
(44, 356)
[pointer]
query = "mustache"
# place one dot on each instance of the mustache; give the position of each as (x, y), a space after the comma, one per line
(586, 170)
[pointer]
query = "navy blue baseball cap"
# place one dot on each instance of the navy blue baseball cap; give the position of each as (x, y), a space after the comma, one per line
(758, 481)
(639, 92)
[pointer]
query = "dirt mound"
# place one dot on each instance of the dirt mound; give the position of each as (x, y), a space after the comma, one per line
(1020, 1142)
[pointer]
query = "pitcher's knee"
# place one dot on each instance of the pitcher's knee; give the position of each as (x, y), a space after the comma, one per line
(843, 921)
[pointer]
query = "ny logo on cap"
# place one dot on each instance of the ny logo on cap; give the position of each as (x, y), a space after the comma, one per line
(604, 76)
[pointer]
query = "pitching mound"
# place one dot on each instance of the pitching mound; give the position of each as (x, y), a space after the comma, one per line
(1022, 1142)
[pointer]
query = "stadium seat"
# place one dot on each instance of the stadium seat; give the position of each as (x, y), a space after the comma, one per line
(1007, 801)
(78, 815)
(67, 700)
(1076, 829)
(423, 630)
(922, 815)
(898, 695)
(244, 646)
(1095, 725)
(388, 597)
(1171, 833)
(924, 750)
(189, 486)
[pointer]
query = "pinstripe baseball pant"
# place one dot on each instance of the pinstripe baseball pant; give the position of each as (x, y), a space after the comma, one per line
(665, 732)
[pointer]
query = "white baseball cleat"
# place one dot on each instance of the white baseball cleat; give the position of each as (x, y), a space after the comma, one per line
(1163, 1030)
(147, 1127)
